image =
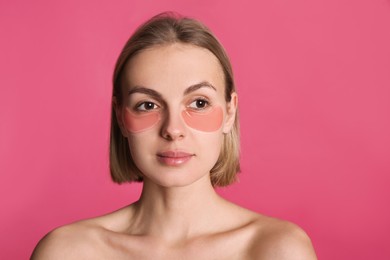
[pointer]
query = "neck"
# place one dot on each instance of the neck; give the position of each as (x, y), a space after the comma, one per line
(176, 213)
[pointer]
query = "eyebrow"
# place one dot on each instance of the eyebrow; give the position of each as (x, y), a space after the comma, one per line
(202, 84)
(144, 90)
(155, 94)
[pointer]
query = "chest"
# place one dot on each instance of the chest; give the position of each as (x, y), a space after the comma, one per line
(222, 246)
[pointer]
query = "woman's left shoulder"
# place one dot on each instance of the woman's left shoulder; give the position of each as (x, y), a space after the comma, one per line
(279, 239)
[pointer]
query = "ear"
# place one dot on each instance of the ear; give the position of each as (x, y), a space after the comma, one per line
(231, 109)
(119, 115)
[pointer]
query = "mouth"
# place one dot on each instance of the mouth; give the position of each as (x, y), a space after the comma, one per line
(174, 158)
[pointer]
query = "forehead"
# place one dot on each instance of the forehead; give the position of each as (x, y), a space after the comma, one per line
(173, 66)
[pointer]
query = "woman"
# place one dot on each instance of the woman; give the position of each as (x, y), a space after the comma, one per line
(174, 126)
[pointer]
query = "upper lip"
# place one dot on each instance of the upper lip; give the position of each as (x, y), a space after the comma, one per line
(174, 154)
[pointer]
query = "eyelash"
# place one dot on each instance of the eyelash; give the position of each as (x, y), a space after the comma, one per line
(139, 106)
(206, 103)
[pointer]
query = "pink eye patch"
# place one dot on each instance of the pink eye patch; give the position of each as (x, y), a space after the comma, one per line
(136, 123)
(209, 121)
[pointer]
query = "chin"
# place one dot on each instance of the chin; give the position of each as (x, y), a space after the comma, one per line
(177, 179)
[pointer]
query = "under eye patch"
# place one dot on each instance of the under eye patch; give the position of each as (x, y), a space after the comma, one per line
(136, 123)
(209, 121)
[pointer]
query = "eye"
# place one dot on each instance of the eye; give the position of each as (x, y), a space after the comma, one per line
(199, 104)
(146, 106)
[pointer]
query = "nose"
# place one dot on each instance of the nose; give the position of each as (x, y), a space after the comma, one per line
(173, 127)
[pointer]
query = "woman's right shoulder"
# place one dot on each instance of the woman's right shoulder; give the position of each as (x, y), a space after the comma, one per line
(82, 239)
(74, 241)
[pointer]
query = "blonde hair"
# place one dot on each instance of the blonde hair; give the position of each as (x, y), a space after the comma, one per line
(168, 28)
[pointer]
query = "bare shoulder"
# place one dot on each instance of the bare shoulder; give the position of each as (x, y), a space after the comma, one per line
(84, 239)
(279, 239)
(72, 241)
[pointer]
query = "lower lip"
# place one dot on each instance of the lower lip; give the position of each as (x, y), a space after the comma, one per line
(174, 161)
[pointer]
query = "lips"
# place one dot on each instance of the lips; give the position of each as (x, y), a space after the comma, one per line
(174, 158)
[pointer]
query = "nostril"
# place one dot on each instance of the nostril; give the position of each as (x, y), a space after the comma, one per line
(173, 134)
(173, 128)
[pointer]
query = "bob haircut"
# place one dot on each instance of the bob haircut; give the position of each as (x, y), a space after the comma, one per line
(164, 29)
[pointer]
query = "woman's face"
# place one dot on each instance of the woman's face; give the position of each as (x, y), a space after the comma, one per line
(175, 114)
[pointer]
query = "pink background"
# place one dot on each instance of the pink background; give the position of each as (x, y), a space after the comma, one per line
(314, 84)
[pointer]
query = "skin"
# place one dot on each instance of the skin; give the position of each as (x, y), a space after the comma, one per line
(179, 215)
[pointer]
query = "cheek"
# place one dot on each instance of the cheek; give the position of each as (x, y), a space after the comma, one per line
(135, 123)
(206, 122)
